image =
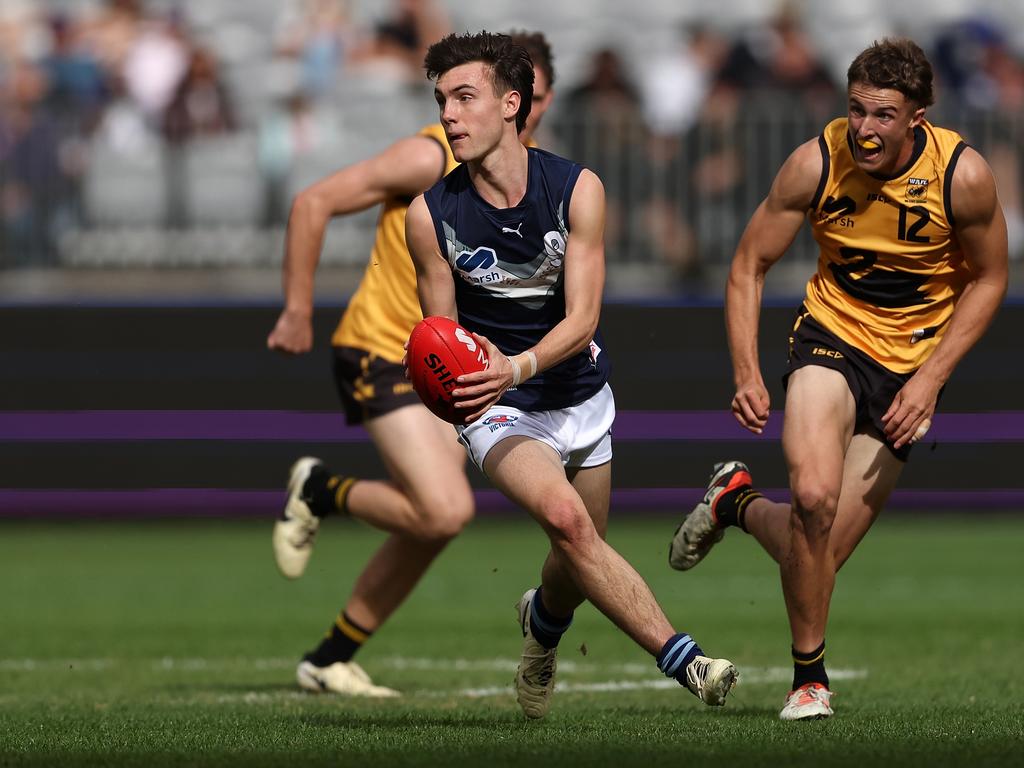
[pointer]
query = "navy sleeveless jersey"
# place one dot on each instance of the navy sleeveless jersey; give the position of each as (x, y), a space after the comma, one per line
(508, 267)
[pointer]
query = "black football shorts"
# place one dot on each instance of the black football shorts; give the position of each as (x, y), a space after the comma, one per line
(873, 385)
(370, 386)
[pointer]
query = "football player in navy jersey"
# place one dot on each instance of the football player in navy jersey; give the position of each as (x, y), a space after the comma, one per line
(511, 243)
(426, 499)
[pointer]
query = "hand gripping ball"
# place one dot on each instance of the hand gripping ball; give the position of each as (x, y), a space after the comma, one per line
(440, 350)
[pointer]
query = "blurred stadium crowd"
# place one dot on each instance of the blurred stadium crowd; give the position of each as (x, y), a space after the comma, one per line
(160, 133)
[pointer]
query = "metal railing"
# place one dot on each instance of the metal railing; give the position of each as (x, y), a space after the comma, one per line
(677, 202)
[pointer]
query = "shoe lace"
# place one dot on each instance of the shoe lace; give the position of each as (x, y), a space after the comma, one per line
(541, 667)
(697, 674)
(811, 694)
(303, 537)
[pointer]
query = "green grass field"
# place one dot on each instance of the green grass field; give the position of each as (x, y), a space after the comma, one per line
(174, 643)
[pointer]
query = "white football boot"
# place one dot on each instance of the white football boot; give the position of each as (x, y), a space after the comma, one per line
(812, 701)
(710, 680)
(295, 531)
(535, 675)
(699, 531)
(346, 678)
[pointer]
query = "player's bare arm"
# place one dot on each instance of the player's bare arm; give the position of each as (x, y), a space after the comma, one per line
(584, 287)
(981, 229)
(406, 168)
(434, 281)
(769, 233)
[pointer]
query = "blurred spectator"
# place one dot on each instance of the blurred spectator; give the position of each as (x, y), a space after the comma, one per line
(201, 105)
(983, 95)
(770, 76)
(602, 123)
(111, 33)
(123, 126)
(675, 92)
(294, 129)
(677, 83)
(156, 64)
(977, 68)
(715, 160)
(33, 186)
(394, 54)
(607, 89)
(78, 86)
(318, 34)
(23, 32)
(781, 59)
(413, 26)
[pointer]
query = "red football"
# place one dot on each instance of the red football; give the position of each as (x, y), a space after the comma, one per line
(439, 351)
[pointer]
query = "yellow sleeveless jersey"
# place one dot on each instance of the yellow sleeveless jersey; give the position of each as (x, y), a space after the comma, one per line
(383, 310)
(890, 268)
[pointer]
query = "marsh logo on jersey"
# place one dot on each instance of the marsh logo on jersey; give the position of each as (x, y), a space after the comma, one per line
(479, 266)
(917, 190)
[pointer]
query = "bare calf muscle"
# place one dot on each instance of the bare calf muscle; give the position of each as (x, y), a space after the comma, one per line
(864, 373)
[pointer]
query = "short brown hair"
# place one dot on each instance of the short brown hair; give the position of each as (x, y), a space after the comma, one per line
(895, 63)
(539, 49)
(509, 62)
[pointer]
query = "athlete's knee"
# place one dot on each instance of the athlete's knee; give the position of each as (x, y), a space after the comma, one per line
(567, 523)
(815, 496)
(814, 507)
(443, 515)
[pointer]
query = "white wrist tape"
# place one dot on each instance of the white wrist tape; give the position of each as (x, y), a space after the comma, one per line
(517, 372)
(533, 364)
(517, 368)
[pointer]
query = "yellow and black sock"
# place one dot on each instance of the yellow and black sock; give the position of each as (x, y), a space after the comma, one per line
(327, 493)
(731, 507)
(809, 667)
(341, 642)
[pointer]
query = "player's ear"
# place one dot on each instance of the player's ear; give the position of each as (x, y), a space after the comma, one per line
(511, 105)
(917, 118)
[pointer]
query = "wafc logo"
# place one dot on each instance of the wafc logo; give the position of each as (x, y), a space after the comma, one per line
(917, 190)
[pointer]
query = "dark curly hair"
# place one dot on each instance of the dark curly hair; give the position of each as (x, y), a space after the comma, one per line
(895, 63)
(509, 63)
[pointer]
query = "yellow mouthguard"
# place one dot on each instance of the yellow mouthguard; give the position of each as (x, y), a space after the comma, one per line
(868, 144)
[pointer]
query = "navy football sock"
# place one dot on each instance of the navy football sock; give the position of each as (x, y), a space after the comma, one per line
(677, 654)
(546, 628)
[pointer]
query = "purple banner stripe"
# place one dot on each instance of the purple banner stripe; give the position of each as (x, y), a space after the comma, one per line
(329, 426)
(219, 502)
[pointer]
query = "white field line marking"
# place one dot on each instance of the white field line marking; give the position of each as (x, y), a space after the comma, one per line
(33, 665)
(749, 676)
(646, 672)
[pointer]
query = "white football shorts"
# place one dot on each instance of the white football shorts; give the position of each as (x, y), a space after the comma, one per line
(581, 434)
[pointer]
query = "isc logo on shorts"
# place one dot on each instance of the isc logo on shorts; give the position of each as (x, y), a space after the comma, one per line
(496, 422)
(827, 352)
